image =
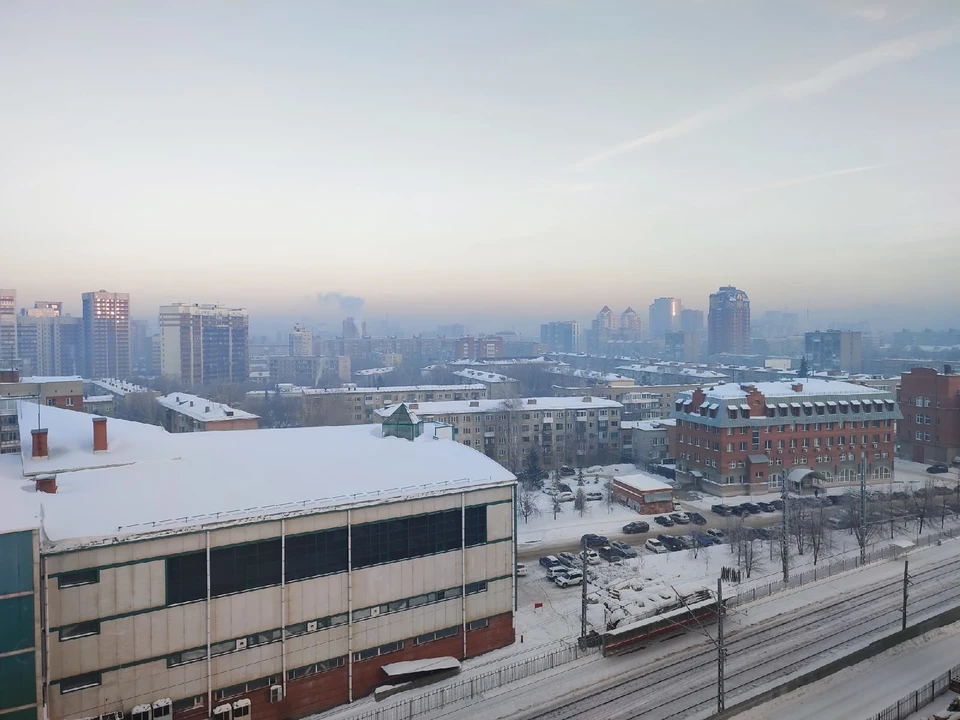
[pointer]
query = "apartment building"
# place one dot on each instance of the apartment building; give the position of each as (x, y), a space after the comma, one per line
(581, 431)
(63, 392)
(188, 413)
(746, 439)
(498, 386)
(50, 343)
(930, 402)
(9, 353)
(106, 334)
(204, 344)
(834, 350)
(728, 322)
(195, 576)
(647, 441)
(562, 336)
(309, 370)
(300, 341)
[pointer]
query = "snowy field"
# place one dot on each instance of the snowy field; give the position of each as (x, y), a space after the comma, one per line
(863, 690)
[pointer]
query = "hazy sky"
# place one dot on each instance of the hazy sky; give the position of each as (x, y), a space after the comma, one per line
(456, 159)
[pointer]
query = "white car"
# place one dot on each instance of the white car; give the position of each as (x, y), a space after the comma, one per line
(592, 557)
(574, 577)
(594, 470)
(654, 546)
(681, 516)
(521, 570)
(566, 497)
(550, 491)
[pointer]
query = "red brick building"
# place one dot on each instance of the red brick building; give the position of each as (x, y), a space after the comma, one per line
(930, 402)
(745, 439)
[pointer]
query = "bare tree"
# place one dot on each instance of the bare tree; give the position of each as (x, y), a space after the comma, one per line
(580, 501)
(556, 505)
(864, 531)
(818, 534)
(944, 496)
(751, 557)
(799, 521)
(608, 495)
(527, 506)
(922, 503)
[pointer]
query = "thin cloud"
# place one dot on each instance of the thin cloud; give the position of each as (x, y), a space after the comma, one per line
(895, 51)
(871, 13)
(806, 179)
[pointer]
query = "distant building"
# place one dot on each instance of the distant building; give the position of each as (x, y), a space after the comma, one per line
(563, 336)
(930, 402)
(9, 353)
(309, 370)
(691, 321)
(453, 330)
(204, 344)
(646, 494)
(606, 320)
(63, 392)
(631, 326)
(498, 386)
(834, 350)
(350, 329)
(106, 334)
(301, 341)
(729, 322)
(649, 440)
(682, 346)
(664, 316)
(141, 348)
(472, 348)
(50, 343)
(189, 413)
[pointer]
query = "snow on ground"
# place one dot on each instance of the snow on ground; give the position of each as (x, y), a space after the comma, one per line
(867, 688)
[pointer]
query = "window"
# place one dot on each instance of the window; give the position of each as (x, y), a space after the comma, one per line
(403, 538)
(83, 629)
(477, 624)
(186, 578)
(374, 652)
(244, 567)
(476, 587)
(315, 554)
(79, 682)
(316, 668)
(263, 638)
(475, 525)
(78, 577)
(187, 656)
(438, 635)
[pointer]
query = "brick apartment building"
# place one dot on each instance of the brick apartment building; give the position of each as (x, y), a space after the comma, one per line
(930, 402)
(61, 392)
(745, 439)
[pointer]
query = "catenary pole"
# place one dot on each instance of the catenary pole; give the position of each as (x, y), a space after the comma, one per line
(720, 649)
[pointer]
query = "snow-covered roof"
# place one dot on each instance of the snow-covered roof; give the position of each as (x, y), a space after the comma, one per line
(454, 407)
(375, 371)
(353, 389)
(51, 378)
(487, 377)
(777, 389)
(648, 425)
(256, 374)
(406, 667)
(643, 482)
(118, 387)
(202, 409)
(589, 374)
(98, 399)
(153, 481)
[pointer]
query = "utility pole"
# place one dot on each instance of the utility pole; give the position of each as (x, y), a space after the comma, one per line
(906, 581)
(863, 508)
(784, 530)
(720, 649)
(583, 590)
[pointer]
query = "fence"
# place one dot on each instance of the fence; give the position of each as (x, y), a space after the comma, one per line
(820, 572)
(477, 686)
(909, 704)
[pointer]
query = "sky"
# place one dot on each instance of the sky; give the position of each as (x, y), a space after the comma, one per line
(496, 162)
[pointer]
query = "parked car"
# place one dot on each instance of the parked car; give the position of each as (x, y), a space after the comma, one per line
(568, 559)
(751, 508)
(563, 487)
(663, 520)
(681, 518)
(566, 471)
(719, 536)
(594, 496)
(625, 550)
(766, 507)
(549, 561)
(696, 518)
(702, 538)
(591, 540)
(670, 542)
(593, 470)
(938, 468)
(592, 557)
(738, 510)
(636, 527)
(778, 504)
(610, 553)
(548, 490)
(574, 577)
(521, 570)
(723, 510)
(686, 542)
(655, 546)
(566, 497)
(832, 499)
(758, 534)
(557, 570)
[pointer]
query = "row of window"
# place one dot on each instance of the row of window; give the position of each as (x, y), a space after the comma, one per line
(418, 600)
(254, 565)
(788, 428)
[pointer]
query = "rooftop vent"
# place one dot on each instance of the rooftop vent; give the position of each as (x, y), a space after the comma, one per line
(46, 483)
(797, 387)
(474, 403)
(531, 401)
(588, 399)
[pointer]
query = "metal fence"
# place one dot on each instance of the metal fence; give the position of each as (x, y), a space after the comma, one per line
(927, 693)
(478, 685)
(824, 571)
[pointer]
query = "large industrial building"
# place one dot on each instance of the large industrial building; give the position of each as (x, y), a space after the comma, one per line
(261, 573)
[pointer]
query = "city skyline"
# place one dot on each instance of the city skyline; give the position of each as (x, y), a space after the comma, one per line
(248, 164)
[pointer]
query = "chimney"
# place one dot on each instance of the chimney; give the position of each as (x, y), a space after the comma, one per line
(474, 403)
(207, 409)
(948, 369)
(99, 434)
(9, 376)
(191, 403)
(46, 483)
(531, 401)
(588, 399)
(39, 444)
(797, 387)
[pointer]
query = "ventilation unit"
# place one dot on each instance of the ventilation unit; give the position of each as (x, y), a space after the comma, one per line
(276, 693)
(242, 644)
(162, 709)
(142, 712)
(223, 712)
(241, 709)
(312, 626)
(375, 612)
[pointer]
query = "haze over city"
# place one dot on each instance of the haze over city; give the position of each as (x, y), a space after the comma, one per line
(493, 163)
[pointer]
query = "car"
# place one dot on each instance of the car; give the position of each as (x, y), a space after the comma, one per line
(574, 577)
(832, 499)
(702, 538)
(681, 518)
(594, 496)
(670, 542)
(594, 470)
(592, 557)
(899, 495)
(557, 570)
(610, 553)
(655, 546)
(758, 534)
(686, 542)
(938, 468)
(722, 510)
(566, 497)
(738, 510)
(591, 540)
(766, 507)
(718, 536)
(568, 559)
(663, 520)
(521, 570)
(549, 561)
(751, 508)
(625, 550)
(636, 527)
(550, 491)
(566, 471)
(696, 518)
(778, 504)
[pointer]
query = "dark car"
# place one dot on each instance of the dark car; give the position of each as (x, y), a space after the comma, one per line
(609, 553)
(938, 468)
(593, 541)
(563, 487)
(723, 510)
(686, 542)
(766, 507)
(758, 534)
(567, 471)
(738, 510)
(569, 559)
(624, 549)
(702, 539)
(778, 504)
(670, 542)
(833, 499)
(899, 495)
(696, 518)
(549, 561)
(751, 508)
(636, 527)
(663, 520)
